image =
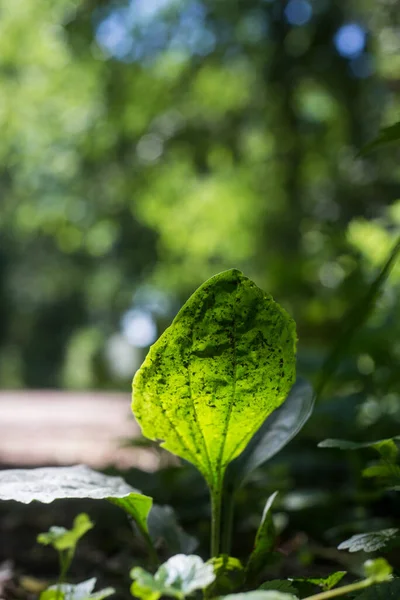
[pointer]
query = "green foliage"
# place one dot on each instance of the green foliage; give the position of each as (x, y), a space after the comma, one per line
(377, 570)
(260, 595)
(279, 585)
(264, 542)
(180, 576)
(276, 431)
(210, 381)
(384, 591)
(383, 446)
(229, 575)
(325, 583)
(54, 483)
(64, 539)
(387, 135)
(165, 531)
(79, 591)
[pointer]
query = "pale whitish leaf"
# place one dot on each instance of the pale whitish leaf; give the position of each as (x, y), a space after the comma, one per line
(178, 577)
(276, 431)
(213, 377)
(370, 542)
(53, 483)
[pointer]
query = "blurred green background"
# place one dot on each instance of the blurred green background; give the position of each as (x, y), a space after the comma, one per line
(149, 144)
(146, 145)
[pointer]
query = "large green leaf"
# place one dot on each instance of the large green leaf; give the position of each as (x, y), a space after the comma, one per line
(53, 483)
(210, 381)
(277, 431)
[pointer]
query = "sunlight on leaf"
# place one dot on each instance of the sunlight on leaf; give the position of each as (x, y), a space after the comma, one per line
(210, 381)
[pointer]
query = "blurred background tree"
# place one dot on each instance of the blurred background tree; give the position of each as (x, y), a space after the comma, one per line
(148, 144)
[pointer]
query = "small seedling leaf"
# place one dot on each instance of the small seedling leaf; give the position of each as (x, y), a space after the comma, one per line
(79, 591)
(325, 583)
(178, 577)
(65, 539)
(213, 377)
(378, 570)
(370, 542)
(264, 542)
(53, 483)
(275, 433)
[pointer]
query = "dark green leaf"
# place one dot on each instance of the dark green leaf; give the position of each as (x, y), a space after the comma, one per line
(178, 577)
(370, 542)
(389, 590)
(229, 575)
(164, 528)
(210, 381)
(387, 135)
(326, 583)
(260, 595)
(277, 431)
(279, 585)
(382, 446)
(264, 542)
(384, 471)
(64, 539)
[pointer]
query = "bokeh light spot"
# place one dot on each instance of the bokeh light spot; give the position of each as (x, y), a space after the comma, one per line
(350, 40)
(298, 12)
(139, 328)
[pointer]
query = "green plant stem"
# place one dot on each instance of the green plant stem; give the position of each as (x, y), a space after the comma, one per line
(228, 508)
(216, 498)
(341, 591)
